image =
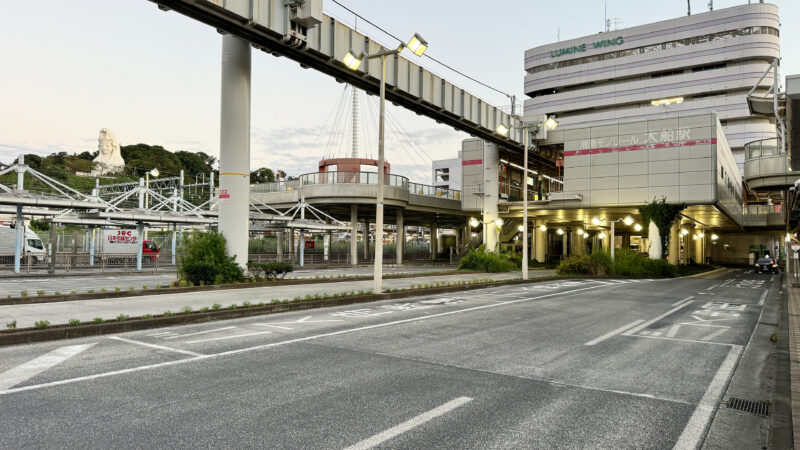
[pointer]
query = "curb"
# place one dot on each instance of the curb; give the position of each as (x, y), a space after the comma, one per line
(216, 287)
(62, 331)
(709, 272)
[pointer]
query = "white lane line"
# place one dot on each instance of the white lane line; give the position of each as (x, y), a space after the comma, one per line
(276, 344)
(228, 337)
(763, 296)
(409, 424)
(687, 301)
(159, 347)
(727, 282)
(614, 333)
(702, 324)
(696, 427)
(199, 332)
(642, 335)
(712, 287)
(38, 365)
(713, 334)
(271, 325)
(681, 301)
(673, 330)
(161, 333)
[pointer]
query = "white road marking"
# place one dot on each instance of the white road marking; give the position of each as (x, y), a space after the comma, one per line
(276, 344)
(409, 424)
(696, 427)
(614, 333)
(763, 296)
(712, 287)
(713, 334)
(643, 335)
(159, 347)
(198, 332)
(703, 325)
(161, 333)
(275, 326)
(681, 301)
(303, 320)
(38, 365)
(228, 337)
(685, 302)
(727, 282)
(673, 330)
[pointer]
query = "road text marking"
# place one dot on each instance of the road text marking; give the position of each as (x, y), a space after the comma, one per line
(681, 304)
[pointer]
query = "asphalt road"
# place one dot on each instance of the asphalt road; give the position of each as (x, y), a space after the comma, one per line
(97, 281)
(576, 364)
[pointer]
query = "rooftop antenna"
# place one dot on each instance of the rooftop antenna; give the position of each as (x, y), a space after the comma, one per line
(710, 5)
(689, 7)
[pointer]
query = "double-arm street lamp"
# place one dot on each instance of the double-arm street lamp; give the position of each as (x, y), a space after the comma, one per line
(627, 220)
(417, 45)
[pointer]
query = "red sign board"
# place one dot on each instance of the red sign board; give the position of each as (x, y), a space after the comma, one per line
(309, 244)
(471, 162)
(223, 194)
(559, 163)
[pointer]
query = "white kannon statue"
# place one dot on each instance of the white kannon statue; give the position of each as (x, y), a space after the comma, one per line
(109, 160)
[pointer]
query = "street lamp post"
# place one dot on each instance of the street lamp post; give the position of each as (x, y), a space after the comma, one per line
(417, 45)
(627, 220)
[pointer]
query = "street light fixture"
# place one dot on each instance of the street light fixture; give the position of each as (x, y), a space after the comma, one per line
(473, 222)
(637, 227)
(602, 235)
(628, 220)
(418, 46)
(551, 123)
(521, 228)
(502, 130)
(560, 231)
(499, 222)
(543, 227)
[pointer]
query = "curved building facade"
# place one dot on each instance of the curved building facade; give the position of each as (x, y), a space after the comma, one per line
(701, 63)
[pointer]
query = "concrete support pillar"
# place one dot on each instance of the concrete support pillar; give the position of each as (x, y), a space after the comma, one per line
(540, 241)
(491, 177)
(400, 238)
(279, 245)
(234, 145)
(434, 241)
(580, 244)
(366, 240)
(51, 263)
(140, 241)
(354, 235)
(19, 240)
(674, 242)
(174, 240)
(91, 247)
(326, 241)
(564, 244)
(690, 244)
(301, 240)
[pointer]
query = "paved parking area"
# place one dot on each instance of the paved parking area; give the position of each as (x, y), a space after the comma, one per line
(566, 364)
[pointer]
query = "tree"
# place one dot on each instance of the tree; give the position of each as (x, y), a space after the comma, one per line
(262, 175)
(281, 174)
(195, 162)
(662, 215)
(147, 157)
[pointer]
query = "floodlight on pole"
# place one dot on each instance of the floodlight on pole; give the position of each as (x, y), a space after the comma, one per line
(551, 123)
(353, 62)
(502, 130)
(417, 45)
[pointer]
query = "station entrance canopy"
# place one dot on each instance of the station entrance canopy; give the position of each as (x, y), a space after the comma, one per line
(299, 31)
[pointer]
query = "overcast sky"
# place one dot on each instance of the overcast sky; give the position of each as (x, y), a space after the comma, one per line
(71, 68)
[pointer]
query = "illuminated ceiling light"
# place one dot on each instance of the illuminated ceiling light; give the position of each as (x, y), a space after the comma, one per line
(543, 227)
(502, 130)
(580, 231)
(602, 235)
(560, 231)
(637, 227)
(701, 235)
(499, 222)
(714, 237)
(352, 61)
(473, 222)
(667, 101)
(551, 123)
(628, 220)
(417, 45)
(684, 231)
(596, 220)
(521, 228)
(694, 236)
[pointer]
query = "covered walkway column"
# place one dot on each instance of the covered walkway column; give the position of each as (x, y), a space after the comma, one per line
(279, 245)
(674, 242)
(400, 237)
(540, 239)
(434, 241)
(689, 244)
(234, 145)
(354, 235)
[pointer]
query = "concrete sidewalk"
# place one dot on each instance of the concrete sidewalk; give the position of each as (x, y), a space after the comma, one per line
(109, 309)
(794, 358)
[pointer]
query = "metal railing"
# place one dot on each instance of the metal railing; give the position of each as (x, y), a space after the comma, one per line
(434, 191)
(103, 262)
(760, 148)
(763, 209)
(277, 186)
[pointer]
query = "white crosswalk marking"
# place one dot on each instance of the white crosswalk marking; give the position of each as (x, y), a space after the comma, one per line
(36, 366)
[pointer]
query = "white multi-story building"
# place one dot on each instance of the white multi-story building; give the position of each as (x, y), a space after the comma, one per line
(446, 173)
(694, 64)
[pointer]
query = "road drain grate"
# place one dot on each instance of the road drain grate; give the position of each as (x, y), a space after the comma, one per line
(749, 406)
(772, 324)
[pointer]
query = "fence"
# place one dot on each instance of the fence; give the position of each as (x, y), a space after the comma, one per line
(103, 262)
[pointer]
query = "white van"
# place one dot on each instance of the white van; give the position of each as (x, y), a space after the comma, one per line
(31, 246)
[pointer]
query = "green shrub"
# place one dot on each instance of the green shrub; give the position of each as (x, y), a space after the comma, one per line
(57, 293)
(41, 324)
(11, 325)
(74, 322)
(147, 316)
(477, 259)
(271, 270)
(23, 293)
(116, 289)
(122, 318)
(98, 320)
(204, 260)
(204, 309)
(626, 264)
(246, 304)
(168, 314)
(40, 292)
(186, 309)
(216, 306)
